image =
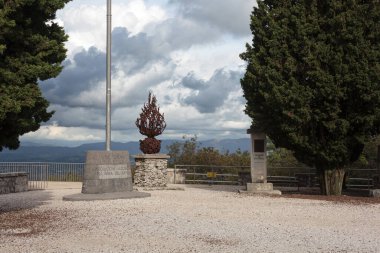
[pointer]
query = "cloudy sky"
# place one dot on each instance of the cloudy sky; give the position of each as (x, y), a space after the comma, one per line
(185, 51)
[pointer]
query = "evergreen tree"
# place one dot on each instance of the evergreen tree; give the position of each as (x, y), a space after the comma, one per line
(31, 50)
(313, 80)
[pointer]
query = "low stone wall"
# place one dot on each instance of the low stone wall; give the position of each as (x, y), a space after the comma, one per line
(176, 178)
(151, 170)
(13, 182)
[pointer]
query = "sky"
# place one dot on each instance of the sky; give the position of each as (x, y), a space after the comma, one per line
(185, 51)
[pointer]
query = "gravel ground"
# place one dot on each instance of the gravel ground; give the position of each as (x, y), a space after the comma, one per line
(196, 219)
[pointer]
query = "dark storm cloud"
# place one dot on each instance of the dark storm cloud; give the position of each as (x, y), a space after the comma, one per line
(131, 54)
(213, 93)
(232, 16)
(134, 52)
(82, 73)
(143, 61)
(78, 116)
(86, 71)
(190, 81)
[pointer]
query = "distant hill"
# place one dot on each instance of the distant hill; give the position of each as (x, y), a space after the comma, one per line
(34, 152)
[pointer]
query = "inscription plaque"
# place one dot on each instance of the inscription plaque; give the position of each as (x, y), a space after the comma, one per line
(112, 171)
(259, 146)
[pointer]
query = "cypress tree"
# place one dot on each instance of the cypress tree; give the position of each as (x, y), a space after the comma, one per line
(313, 80)
(31, 50)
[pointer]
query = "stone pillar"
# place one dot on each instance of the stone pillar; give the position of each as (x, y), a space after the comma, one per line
(259, 183)
(258, 158)
(151, 170)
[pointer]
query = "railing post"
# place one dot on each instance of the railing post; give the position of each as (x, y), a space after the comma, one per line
(175, 168)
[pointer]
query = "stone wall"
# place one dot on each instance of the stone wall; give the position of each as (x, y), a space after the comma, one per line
(13, 182)
(151, 170)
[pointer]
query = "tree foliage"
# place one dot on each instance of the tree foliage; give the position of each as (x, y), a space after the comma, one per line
(189, 152)
(313, 77)
(31, 50)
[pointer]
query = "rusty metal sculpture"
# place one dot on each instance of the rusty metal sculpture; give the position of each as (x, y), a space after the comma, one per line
(151, 123)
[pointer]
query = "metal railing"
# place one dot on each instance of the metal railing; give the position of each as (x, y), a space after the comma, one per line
(39, 174)
(211, 174)
(306, 176)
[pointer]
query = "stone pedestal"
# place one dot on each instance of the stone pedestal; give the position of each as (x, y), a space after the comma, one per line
(107, 172)
(107, 175)
(151, 170)
(259, 183)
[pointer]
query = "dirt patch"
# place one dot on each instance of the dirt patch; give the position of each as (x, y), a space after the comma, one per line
(211, 240)
(26, 222)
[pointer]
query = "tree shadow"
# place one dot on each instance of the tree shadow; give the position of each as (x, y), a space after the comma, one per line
(216, 187)
(23, 200)
(317, 191)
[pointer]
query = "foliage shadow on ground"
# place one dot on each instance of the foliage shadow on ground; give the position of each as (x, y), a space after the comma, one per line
(23, 200)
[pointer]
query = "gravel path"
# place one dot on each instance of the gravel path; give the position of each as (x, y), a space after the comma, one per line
(196, 219)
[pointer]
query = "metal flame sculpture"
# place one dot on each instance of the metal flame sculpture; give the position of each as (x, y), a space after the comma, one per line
(151, 124)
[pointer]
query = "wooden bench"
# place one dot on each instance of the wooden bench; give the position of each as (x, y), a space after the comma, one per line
(363, 183)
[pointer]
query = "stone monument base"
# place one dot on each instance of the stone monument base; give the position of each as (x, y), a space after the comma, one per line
(107, 171)
(260, 189)
(106, 196)
(107, 175)
(151, 170)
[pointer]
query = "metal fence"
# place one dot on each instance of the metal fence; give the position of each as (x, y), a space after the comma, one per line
(40, 173)
(211, 174)
(363, 178)
(240, 175)
(304, 176)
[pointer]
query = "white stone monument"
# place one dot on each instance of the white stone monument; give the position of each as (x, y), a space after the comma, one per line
(259, 184)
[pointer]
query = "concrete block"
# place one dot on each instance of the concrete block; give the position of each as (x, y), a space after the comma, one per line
(375, 193)
(260, 189)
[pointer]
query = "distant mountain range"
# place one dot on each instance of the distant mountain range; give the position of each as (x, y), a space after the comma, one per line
(34, 152)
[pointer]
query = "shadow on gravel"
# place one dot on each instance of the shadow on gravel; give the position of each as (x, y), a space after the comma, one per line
(20, 217)
(349, 196)
(23, 200)
(356, 196)
(214, 187)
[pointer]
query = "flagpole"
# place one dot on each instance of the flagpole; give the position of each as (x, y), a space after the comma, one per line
(108, 78)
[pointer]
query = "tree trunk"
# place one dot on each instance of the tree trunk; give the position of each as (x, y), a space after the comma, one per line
(331, 181)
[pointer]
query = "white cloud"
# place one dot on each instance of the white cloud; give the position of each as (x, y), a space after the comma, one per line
(56, 132)
(86, 23)
(186, 52)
